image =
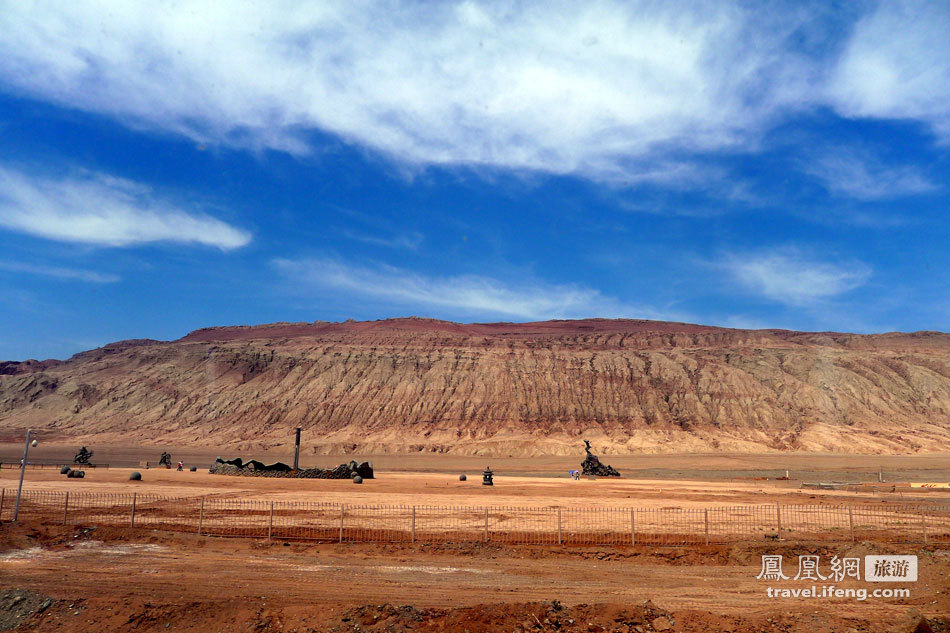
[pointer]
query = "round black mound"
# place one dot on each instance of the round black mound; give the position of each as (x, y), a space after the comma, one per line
(357, 480)
(193, 469)
(64, 470)
(463, 478)
(135, 476)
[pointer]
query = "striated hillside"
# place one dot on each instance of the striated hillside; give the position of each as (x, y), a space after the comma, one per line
(533, 388)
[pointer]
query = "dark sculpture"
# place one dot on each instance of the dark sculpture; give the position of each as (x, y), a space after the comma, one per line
(237, 466)
(487, 476)
(279, 467)
(166, 460)
(592, 466)
(83, 456)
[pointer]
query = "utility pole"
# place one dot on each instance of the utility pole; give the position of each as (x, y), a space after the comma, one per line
(19, 491)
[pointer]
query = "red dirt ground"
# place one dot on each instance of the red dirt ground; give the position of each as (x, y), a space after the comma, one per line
(124, 580)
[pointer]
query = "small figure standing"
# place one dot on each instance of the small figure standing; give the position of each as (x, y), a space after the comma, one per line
(181, 465)
(146, 466)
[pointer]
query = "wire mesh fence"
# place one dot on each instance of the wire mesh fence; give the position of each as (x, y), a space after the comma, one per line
(552, 525)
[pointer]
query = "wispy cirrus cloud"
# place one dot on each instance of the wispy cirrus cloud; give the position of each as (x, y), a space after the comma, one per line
(896, 65)
(94, 208)
(470, 296)
(409, 240)
(859, 174)
(792, 278)
(57, 272)
(609, 90)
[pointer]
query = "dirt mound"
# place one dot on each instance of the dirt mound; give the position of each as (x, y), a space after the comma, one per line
(497, 389)
(112, 614)
(527, 616)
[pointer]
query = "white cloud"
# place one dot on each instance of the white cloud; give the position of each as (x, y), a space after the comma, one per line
(467, 295)
(860, 175)
(76, 274)
(102, 210)
(788, 277)
(610, 90)
(897, 65)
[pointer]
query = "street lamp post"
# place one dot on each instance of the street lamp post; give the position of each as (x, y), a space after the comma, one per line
(19, 491)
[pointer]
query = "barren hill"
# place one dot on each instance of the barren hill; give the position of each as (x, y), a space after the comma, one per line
(497, 388)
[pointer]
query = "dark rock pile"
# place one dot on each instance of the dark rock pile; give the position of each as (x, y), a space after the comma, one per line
(20, 607)
(592, 466)
(254, 468)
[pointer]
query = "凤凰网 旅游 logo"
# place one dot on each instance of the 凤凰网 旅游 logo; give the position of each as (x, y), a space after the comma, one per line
(810, 567)
(877, 568)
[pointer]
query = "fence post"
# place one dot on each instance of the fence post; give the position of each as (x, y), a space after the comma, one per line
(851, 522)
(341, 522)
(65, 507)
(923, 524)
(486, 525)
(706, 521)
(201, 515)
(633, 528)
(778, 518)
(132, 521)
(270, 524)
(413, 524)
(3, 493)
(559, 526)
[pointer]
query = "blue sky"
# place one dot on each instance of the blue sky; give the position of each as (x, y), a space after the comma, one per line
(179, 165)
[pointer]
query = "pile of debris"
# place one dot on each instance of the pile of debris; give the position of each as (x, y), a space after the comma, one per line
(592, 466)
(254, 468)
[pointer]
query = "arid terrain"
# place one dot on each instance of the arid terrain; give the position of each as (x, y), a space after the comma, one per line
(424, 386)
(105, 578)
(126, 580)
(698, 420)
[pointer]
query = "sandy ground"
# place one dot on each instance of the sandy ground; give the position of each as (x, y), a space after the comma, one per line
(400, 488)
(706, 466)
(112, 579)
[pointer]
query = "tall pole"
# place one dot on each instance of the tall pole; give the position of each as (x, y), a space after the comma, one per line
(297, 449)
(19, 491)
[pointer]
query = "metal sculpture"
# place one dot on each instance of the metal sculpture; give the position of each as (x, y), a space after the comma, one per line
(83, 456)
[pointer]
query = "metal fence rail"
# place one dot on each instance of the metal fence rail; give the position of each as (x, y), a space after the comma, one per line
(552, 525)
